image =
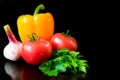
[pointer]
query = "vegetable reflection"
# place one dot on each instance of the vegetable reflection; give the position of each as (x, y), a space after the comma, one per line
(23, 71)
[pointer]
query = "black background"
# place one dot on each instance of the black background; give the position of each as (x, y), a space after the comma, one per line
(81, 18)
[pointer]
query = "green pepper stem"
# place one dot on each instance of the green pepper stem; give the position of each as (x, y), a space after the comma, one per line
(38, 8)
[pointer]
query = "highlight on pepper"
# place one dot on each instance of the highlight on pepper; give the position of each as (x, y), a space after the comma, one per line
(42, 24)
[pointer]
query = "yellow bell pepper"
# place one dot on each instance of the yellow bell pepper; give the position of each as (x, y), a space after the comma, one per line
(42, 24)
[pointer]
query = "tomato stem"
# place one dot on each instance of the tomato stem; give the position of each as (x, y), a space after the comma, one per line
(38, 8)
(67, 33)
(33, 38)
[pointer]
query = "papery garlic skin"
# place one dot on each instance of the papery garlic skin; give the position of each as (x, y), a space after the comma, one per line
(12, 51)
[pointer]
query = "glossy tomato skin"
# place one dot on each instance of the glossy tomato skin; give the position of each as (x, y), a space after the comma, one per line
(60, 41)
(36, 52)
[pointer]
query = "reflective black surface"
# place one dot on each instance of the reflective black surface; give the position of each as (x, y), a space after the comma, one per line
(79, 17)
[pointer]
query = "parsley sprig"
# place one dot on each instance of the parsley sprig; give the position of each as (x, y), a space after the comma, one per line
(64, 60)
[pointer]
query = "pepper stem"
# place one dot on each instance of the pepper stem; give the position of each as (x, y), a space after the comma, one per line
(38, 8)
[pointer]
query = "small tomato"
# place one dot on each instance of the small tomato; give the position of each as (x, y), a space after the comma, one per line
(60, 40)
(35, 52)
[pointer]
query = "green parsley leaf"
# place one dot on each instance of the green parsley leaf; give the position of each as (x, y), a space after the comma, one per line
(64, 60)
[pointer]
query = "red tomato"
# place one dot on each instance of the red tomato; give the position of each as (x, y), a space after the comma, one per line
(37, 51)
(60, 41)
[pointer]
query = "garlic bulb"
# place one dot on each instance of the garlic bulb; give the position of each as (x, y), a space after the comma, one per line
(12, 50)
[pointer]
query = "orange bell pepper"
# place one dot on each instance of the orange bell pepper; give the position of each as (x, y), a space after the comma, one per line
(42, 24)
